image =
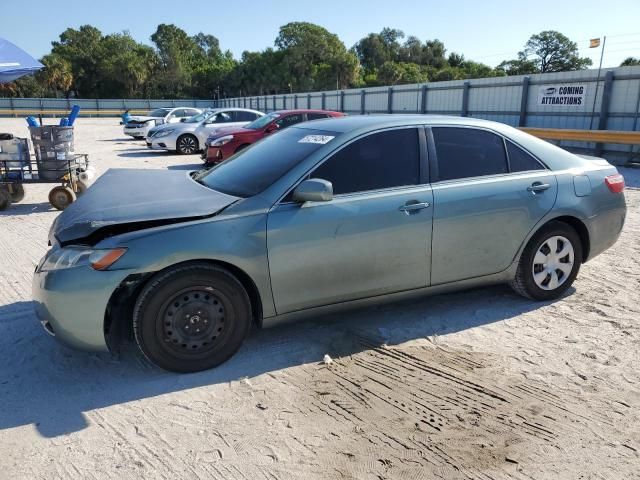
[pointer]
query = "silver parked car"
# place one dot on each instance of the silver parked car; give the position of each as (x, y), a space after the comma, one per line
(322, 216)
(139, 125)
(190, 135)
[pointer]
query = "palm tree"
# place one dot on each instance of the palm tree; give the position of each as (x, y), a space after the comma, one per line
(57, 73)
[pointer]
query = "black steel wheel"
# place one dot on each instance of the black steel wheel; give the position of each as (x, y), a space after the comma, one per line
(191, 317)
(5, 198)
(61, 197)
(187, 144)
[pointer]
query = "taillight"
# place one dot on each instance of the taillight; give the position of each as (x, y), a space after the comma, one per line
(615, 183)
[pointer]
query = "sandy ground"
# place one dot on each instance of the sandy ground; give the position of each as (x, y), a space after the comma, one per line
(481, 384)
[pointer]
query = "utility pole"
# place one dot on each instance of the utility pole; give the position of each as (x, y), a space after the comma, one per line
(595, 96)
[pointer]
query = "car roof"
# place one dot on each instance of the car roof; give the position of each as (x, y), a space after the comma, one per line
(305, 110)
(357, 122)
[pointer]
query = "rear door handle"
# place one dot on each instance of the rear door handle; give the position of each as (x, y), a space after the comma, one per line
(414, 207)
(538, 187)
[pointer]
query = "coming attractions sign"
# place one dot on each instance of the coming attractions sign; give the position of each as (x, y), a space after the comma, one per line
(562, 94)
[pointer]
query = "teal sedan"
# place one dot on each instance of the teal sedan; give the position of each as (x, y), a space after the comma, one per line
(323, 216)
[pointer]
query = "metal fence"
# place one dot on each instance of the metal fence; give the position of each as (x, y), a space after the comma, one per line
(611, 102)
(89, 107)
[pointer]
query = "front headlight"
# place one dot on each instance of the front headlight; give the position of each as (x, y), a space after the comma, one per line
(218, 142)
(68, 257)
(164, 133)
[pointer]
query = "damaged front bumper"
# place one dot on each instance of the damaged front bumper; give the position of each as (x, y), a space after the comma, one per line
(71, 304)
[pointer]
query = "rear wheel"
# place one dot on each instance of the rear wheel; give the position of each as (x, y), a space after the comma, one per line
(550, 262)
(187, 145)
(191, 318)
(61, 197)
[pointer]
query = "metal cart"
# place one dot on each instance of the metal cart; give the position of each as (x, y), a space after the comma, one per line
(70, 173)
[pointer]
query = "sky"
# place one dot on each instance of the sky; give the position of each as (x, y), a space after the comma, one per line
(488, 31)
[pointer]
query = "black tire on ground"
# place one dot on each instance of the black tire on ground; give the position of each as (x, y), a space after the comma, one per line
(17, 192)
(61, 197)
(139, 138)
(191, 317)
(187, 144)
(524, 282)
(5, 198)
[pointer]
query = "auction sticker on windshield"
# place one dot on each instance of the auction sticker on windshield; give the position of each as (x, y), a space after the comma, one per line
(320, 139)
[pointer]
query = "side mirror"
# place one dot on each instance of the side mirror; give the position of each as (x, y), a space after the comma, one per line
(313, 190)
(272, 128)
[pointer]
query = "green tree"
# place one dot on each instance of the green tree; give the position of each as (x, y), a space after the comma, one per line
(82, 49)
(377, 48)
(315, 58)
(57, 74)
(518, 67)
(551, 51)
(395, 73)
(630, 62)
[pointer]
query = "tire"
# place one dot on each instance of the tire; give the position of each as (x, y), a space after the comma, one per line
(61, 197)
(543, 277)
(193, 296)
(187, 145)
(138, 138)
(5, 198)
(17, 192)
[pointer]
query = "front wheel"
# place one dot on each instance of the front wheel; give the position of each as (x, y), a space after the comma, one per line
(191, 317)
(550, 262)
(187, 144)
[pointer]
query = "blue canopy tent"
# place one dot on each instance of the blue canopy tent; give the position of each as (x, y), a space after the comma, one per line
(15, 62)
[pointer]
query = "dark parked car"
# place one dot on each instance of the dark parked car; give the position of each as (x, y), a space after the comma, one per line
(227, 141)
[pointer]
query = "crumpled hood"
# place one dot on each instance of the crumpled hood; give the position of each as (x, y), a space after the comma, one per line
(140, 118)
(137, 199)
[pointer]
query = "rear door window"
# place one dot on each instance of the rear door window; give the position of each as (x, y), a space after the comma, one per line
(289, 120)
(316, 116)
(521, 161)
(468, 152)
(240, 116)
(381, 160)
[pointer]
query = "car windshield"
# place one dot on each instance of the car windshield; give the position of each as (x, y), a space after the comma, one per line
(252, 170)
(262, 121)
(160, 112)
(201, 117)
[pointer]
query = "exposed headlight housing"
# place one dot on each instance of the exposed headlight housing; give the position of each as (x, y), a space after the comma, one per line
(164, 133)
(68, 257)
(218, 142)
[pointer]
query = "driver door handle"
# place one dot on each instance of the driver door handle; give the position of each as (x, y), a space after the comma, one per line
(414, 207)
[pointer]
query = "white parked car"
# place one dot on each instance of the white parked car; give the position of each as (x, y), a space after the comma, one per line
(190, 135)
(139, 125)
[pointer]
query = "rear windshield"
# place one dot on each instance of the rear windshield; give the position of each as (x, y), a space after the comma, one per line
(161, 112)
(262, 121)
(200, 117)
(253, 169)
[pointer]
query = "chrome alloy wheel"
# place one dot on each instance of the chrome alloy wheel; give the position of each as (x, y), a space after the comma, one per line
(187, 145)
(553, 263)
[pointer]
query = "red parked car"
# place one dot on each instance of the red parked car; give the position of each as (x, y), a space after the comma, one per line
(227, 141)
